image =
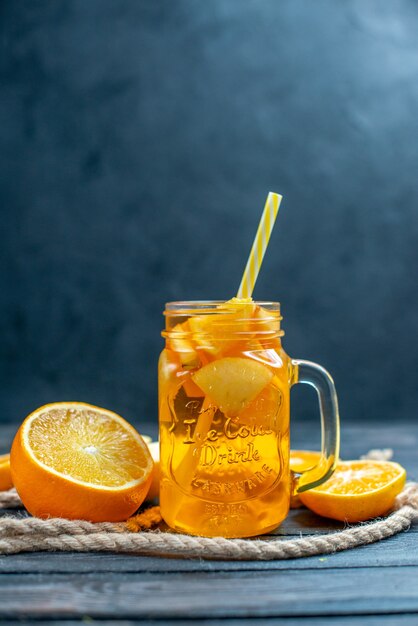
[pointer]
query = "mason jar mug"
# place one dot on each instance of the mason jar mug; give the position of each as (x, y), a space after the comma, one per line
(224, 410)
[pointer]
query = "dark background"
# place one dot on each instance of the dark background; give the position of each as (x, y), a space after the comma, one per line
(138, 141)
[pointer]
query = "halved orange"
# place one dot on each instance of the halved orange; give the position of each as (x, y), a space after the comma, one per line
(154, 490)
(5, 475)
(78, 461)
(357, 491)
(301, 460)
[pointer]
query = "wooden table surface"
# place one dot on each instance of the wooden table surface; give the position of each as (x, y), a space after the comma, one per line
(372, 585)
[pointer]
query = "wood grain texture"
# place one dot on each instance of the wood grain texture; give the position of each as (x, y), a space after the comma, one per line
(396, 619)
(212, 594)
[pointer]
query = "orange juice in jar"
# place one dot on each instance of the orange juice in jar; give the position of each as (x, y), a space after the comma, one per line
(224, 386)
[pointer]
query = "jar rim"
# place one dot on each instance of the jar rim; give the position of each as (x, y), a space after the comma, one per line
(182, 306)
(226, 319)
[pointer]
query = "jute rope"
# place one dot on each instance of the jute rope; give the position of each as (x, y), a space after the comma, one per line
(27, 534)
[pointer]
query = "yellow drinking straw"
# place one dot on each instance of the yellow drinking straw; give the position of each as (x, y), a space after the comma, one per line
(260, 244)
(188, 464)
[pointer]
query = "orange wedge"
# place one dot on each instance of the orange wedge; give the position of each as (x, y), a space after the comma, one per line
(179, 342)
(5, 476)
(78, 461)
(233, 382)
(216, 334)
(357, 491)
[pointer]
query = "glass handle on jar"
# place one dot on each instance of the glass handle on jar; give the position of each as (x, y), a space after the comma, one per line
(316, 376)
